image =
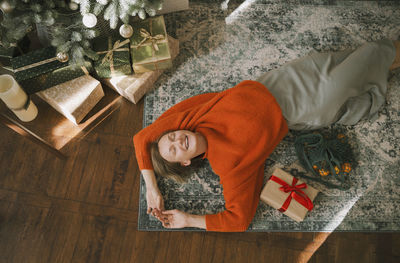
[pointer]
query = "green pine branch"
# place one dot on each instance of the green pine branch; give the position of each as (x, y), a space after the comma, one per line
(65, 28)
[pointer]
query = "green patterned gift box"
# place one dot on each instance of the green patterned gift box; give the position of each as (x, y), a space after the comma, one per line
(42, 69)
(6, 54)
(114, 59)
(149, 45)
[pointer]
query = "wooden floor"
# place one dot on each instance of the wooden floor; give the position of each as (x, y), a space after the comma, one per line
(85, 209)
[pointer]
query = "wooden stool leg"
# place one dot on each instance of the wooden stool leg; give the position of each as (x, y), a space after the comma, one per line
(23, 131)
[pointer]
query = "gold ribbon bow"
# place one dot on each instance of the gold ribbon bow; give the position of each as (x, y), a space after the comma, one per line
(147, 37)
(36, 64)
(116, 47)
(43, 62)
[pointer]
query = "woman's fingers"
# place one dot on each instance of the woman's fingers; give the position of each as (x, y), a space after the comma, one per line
(169, 212)
(162, 204)
(151, 210)
(167, 223)
(169, 220)
(156, 213)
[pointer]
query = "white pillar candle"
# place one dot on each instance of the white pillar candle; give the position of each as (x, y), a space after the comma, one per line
(15, 98)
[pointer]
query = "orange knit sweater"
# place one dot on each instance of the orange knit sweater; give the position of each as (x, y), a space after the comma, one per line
(242, 126)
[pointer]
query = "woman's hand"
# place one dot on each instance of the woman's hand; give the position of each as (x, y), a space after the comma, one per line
(155, 201)
(178, 219)
(174, 219)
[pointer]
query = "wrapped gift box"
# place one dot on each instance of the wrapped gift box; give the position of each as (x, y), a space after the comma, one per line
(149, 45)
(290, 192)
(133, 87)
(6, 54)
(114, 57)
(42, 69)
(75, 98)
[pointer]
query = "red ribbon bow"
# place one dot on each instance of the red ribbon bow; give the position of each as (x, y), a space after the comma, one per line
(295, 192)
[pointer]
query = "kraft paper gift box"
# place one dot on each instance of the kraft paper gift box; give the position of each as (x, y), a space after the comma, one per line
(114, 57)
(149, 45)
(43, 69)
(289, 195)
(75, 98)
(134, 87)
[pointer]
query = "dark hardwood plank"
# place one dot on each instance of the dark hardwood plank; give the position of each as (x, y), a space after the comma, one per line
(24, 232)
(224, 248)
(112, 182)
(128, 244)
(175, 249)
(91, 239)
(195, 252)
(164, 241)
(4, 207)
(62, 231)
(109, 182)
(57, 181)
(114, 237)
(145, 247)
(77, 171)
(395, 245)
(63, 205)
(208, 247)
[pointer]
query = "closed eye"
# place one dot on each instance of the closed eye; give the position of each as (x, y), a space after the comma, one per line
(172, 150)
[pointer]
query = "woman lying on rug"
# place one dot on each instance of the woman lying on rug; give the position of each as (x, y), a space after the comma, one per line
(237, 129)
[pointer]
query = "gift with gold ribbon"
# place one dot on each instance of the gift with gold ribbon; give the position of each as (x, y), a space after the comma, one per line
(44, 68)
(133, 87)
(149, 45)
(114, 59)
(288, 195)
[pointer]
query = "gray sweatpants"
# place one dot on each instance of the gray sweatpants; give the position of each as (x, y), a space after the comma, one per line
(323, 88)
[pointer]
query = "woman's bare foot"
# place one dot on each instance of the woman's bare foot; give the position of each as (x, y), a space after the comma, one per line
(396, 62)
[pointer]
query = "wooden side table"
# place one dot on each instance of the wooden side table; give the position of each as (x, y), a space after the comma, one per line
(53, 131)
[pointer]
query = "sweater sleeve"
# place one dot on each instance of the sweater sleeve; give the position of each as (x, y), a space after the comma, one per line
(173, 119)
(188, 104)
(241, 202)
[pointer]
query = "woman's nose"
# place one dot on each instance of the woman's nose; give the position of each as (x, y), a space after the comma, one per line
(180, 143)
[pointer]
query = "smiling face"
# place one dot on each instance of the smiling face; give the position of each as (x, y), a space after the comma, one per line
(181, 146)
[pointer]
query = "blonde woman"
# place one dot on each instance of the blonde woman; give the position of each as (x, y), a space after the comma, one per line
(237, 129)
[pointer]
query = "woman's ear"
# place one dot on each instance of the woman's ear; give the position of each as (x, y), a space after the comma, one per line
(186, 163)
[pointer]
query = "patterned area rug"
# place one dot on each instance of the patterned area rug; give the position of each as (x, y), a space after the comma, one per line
(220, 48)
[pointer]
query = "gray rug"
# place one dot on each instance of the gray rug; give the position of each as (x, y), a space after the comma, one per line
(221, 48)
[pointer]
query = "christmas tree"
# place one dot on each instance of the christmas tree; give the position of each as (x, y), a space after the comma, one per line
(70, 25)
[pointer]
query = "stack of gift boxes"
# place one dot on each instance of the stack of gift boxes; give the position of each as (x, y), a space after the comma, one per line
(129, 66)
(151, 51)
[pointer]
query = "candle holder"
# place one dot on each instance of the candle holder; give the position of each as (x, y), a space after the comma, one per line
(16, 99)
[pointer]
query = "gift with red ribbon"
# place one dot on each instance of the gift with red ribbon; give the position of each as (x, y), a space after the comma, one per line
(289, 195)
